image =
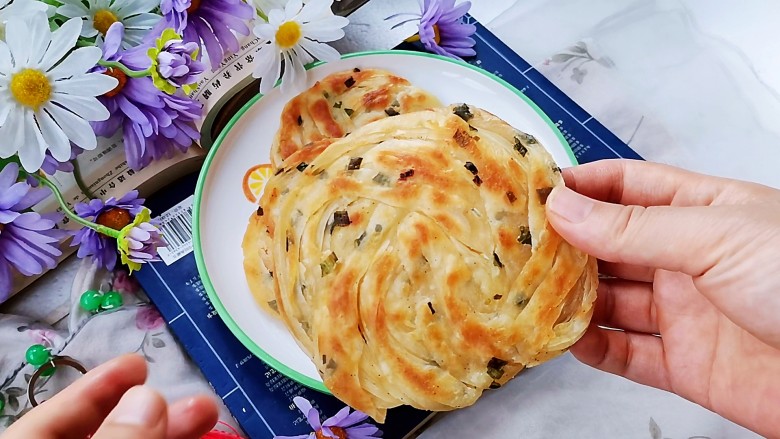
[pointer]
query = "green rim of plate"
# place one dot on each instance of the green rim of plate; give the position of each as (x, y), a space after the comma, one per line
(201, 264)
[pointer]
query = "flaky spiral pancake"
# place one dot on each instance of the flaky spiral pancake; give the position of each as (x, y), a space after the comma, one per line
(412, 260)
(341, 103)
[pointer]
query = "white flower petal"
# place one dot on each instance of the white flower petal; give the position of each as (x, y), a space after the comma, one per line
(324, 30)
(276, 18)
(320, 51)
(273, 70)
(315, 9)
(88, 29)
(90, 84)
(8, 146)
(265, 31)
(85, 107)
(62, 41)
(17, 36)
(76, 128)
(54, 136)
(5, 59)
(294, 77)
(4, 2)
(72, 8)
(141, 21)
(292, 8)
(5, 106)
(34, 150)
(133, 37)
(130, 8)
(78, 62)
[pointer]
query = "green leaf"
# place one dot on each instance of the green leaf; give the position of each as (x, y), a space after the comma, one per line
(22, 328)
(15, 391)
(27, 377)
(156, 342)
(7, 420)
(579, 48)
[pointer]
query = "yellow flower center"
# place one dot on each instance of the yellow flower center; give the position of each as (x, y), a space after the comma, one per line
(2, 226)
(103, 20)
(436, 34)
(31, 88)
(288, 35)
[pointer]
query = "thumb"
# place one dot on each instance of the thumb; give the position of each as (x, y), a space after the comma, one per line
(141, 414)
(685, 239)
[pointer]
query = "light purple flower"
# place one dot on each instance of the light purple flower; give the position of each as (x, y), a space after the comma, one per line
(175, 63)
(91, 243)
(142, 242)
(443, 31)
(148, 318)
(208, 22)
(350, 423)
(27, 239)
(154, 124)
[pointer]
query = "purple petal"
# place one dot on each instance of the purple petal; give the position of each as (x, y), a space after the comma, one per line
(32, 198)
(310, 412)
(337, 419)
(8, 175)
(13, 195)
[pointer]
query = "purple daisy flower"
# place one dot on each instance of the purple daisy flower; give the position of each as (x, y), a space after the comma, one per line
(175, 63)
(154, 124)
(345, 424)
(208, 22)
(442, 29)
(112, 213)
(27, 239)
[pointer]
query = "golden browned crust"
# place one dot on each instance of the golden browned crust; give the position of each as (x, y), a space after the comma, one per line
(414, 263)
(341, 103)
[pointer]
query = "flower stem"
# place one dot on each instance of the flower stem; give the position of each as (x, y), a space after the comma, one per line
(80, 180)
(108, 231)
(125, 70)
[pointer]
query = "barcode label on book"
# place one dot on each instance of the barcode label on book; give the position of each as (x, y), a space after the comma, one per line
(176, 227)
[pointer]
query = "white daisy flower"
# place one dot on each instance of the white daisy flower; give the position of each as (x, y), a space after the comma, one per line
(99, 15)
(46, 95)
(18, 10)
(296, 35)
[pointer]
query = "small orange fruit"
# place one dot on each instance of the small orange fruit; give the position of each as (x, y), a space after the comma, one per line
(254, 181)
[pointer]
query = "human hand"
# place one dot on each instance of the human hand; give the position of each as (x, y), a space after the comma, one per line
(696, 259)
(111, 402)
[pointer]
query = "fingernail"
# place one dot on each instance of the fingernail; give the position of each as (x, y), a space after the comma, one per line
(569, 205)
(137, 407)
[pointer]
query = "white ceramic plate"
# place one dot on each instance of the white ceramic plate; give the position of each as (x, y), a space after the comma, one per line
(222, 209)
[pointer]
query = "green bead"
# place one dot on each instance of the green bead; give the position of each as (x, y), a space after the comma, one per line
(48, 372)
(2, 403)
(38, 355)
(111, 300)
(91, 300)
